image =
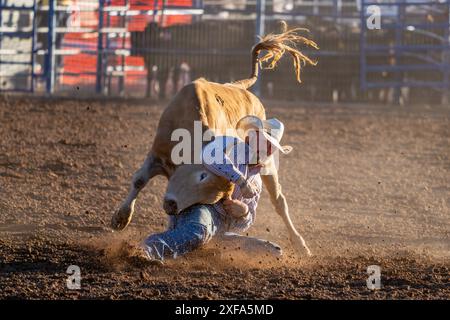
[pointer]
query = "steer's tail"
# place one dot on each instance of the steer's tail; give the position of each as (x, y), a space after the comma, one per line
(276, 45)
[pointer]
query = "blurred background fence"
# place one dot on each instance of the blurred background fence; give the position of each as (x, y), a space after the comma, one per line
(150, 48)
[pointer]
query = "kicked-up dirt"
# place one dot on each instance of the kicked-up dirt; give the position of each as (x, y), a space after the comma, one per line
(366, 185)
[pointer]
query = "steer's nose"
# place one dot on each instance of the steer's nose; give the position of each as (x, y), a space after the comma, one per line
(170, 206)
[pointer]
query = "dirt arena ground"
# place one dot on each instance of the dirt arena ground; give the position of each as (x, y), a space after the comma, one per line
(366, 185)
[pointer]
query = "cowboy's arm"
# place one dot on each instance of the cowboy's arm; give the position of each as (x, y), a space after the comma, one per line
(241, 208)
(250, 186)
(235, 208)
(229, 171)
(252, 202)
(245, 206)
(224, 168)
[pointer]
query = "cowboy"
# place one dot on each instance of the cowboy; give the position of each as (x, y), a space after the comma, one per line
(239, 160)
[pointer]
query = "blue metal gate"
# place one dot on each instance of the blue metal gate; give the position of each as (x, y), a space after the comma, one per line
(409, 50)
(98, 51)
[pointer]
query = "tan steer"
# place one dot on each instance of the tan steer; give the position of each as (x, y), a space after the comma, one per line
(218, 107)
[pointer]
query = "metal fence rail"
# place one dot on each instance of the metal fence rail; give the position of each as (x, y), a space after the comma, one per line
(17, 46)
(411, 50)
(153, 47)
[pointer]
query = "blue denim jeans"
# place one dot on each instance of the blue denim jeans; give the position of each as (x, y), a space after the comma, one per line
(195, 227)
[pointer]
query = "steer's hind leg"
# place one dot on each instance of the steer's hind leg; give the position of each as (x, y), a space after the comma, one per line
(280, 204)
(151, 167)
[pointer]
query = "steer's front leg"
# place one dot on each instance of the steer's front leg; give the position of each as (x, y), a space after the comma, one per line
(279, 202)
(150, 168)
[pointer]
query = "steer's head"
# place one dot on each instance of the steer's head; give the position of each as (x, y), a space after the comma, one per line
(192, 184)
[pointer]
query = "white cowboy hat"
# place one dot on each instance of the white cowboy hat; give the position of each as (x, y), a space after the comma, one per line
(272, 130)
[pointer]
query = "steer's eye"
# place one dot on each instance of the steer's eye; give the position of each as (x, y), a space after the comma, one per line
(203, 176)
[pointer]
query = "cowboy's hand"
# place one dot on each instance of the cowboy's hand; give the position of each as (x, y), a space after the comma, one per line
(248, 189)
(235, 208)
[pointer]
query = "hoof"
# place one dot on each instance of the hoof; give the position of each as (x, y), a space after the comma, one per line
(300, 248)
(121, 218)
(303, 252)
